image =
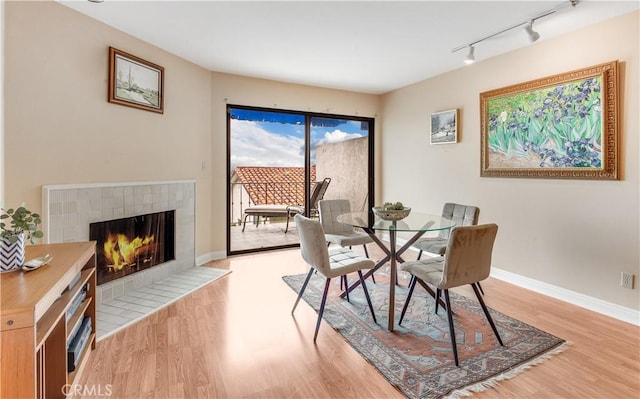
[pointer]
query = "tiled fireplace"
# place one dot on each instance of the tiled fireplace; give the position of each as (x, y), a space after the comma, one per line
(74, 212)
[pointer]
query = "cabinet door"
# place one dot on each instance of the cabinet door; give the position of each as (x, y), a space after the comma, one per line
(18, 363)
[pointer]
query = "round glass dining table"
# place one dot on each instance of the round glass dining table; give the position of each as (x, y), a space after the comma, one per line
(416, 222)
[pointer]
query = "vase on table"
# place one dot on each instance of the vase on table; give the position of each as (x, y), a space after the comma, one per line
(11, 253)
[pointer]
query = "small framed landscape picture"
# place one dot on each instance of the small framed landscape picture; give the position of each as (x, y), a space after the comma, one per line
(444, 127)
(135, 82)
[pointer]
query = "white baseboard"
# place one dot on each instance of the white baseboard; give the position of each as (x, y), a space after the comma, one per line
(597, 305)
(208, 257)
(575, 298)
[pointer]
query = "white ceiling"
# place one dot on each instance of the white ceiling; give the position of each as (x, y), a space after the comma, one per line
(363, 46)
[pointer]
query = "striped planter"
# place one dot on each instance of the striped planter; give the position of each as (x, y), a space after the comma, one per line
(11, 254)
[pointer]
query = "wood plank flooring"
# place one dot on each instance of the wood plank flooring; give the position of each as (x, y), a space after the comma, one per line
(236, 338)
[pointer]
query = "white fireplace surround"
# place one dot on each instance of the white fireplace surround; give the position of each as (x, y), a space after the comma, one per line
(67, 211)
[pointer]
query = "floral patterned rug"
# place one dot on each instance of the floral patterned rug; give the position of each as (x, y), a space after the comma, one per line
(417, 357)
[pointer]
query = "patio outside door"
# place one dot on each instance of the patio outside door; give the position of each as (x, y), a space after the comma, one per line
(276, 158)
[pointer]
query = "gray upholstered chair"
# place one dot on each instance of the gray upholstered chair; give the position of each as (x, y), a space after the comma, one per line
(467, 260)
(463, 215)
(335, 263)
(340, 233)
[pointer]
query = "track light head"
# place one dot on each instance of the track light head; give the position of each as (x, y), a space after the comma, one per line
(532, 34)
(470, 58)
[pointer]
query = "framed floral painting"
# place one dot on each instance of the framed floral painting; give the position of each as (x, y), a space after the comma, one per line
(562, 126)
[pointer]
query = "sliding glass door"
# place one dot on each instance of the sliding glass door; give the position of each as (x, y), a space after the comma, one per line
(279, 162)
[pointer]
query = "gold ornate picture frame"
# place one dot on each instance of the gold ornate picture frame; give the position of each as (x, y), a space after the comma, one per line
(562, 126)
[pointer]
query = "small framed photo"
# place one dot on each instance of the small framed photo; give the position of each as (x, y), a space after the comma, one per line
(444, 127)
(135, 82)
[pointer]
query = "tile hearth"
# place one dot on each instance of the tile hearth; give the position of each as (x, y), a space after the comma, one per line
(116, 314)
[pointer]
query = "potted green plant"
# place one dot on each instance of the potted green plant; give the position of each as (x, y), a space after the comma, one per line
(16, 226)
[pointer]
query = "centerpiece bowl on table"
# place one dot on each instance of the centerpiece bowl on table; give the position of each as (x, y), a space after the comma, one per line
(390, 211)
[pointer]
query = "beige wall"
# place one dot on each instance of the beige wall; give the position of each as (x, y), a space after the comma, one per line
(60, 129)
(2, 105)
(239, 90)
(578, 235)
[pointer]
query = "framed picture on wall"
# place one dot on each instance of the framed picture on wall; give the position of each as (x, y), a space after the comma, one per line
(135, 82)
(444, 127)
(561, 126)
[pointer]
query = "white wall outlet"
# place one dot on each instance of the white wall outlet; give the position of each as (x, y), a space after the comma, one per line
(626, 280)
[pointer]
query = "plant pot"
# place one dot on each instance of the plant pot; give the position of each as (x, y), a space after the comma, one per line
(11, 253)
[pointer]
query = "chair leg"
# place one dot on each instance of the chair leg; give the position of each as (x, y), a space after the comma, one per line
(366, 253)
(304, 285)
(419, 255)
(321, 310)
(438, 292)
(286, 228)
(366, 294)
(486, 313)
(479, 286)
(451, 329)
(412, 285)
(244, 222)
(343, 278)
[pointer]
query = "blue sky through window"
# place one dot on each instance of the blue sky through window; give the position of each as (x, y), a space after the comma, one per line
(264, 138)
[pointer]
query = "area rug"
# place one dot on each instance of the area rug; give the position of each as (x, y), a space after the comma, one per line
(417, 358)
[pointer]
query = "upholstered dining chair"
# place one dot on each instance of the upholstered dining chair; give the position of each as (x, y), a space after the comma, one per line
(340, 233)
(337, 262)
(467, 260)
(462, 215)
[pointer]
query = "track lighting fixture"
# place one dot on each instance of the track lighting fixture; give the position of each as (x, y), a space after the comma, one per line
(532, 34)
(528, 27)
(470, 58)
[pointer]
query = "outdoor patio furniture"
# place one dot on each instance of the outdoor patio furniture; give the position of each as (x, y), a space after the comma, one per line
(288, 211)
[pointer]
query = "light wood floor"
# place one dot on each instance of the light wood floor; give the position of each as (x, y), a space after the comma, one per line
(236, 338)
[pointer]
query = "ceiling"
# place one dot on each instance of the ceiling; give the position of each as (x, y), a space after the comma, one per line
(363, 46)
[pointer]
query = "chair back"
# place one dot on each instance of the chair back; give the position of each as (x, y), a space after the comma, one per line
(312, 243)
(468, 256)
(329, 211)
(463, 215)
(318, 192)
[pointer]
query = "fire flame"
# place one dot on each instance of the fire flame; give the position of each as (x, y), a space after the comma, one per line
(121, 252)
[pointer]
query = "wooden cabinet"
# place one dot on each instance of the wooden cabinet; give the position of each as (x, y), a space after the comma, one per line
(38, 321)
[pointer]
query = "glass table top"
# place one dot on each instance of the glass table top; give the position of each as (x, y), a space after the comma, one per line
(416, 221)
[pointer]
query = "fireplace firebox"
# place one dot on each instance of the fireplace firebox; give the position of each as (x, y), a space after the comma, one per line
(129, 245)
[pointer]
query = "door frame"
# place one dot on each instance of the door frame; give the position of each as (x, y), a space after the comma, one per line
(307, 164)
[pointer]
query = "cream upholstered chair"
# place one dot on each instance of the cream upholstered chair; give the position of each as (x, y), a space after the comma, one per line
(467, 260)
(340, 233)
(462, 215)
(335, 263)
